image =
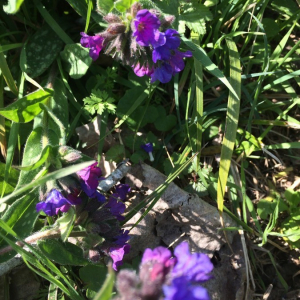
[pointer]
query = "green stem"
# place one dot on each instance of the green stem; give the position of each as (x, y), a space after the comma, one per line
(102, 127)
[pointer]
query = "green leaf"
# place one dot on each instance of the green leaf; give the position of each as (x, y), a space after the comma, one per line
(98, 102)
(132, 99)
(33, 149)
(12, 6)
(265, 208)
(7, 75)
(285, 6)
(115, 153)
(202, 56)
(81, 8)
(11, 180)
(232, 117)
(271, 27)
(52, 23)
(105, 6)
(18, 212)
(106, 290)
(10, 46)
(93, 276)
(66, 223)
(168, 6)
(26, 108)
(39, 160)
(148, 116)
(21, 217)
(164, 122)
(292, 197)
(194, 17)
(62, 253)
(77, 60)
(42, 180)
(59, 105)
(40, 51)
(123, 5)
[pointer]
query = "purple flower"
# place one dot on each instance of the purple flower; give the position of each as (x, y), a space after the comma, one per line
(117, 253)
(73, 200)
(163, 73)
(122, 190)
(193, 267)
(167, 68)
(146, 29)
(94, 43)
(55, 201)
(101, 198)
(117, 208)
(143, 70)
(122, 238)
(156, 264)
(180, 289)
(159, 254)
(90, 177)
(164, 52)
(149, 149)
(176, 60)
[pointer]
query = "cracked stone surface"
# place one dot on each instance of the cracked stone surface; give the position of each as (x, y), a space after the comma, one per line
(179, 216)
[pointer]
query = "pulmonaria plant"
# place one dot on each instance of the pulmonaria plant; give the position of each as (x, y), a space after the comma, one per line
(162, 276)
(141, 40)
(100, 216)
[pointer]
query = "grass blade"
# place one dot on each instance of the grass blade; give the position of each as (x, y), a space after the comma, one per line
(232, 118)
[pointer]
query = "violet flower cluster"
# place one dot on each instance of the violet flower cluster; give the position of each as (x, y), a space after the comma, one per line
(162, 276)
(146, 44)
(101, 216)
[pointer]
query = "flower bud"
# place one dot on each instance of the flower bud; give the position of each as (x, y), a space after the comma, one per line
(94, 255)
(167, 21)
(135, 8)
(111, 18)
(116, 28)
(68, 154)
(128, 284)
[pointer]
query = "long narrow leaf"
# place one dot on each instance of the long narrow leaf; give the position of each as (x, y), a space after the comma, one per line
(52, 176)
(232, 118)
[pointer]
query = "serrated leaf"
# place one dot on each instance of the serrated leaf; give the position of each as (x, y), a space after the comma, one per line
(77, 60)
(12, 6)
(62, 253)
(196, 26)
(40, 51)
(26, 108)
(115, 153)
(197, 188)
(168, 6)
